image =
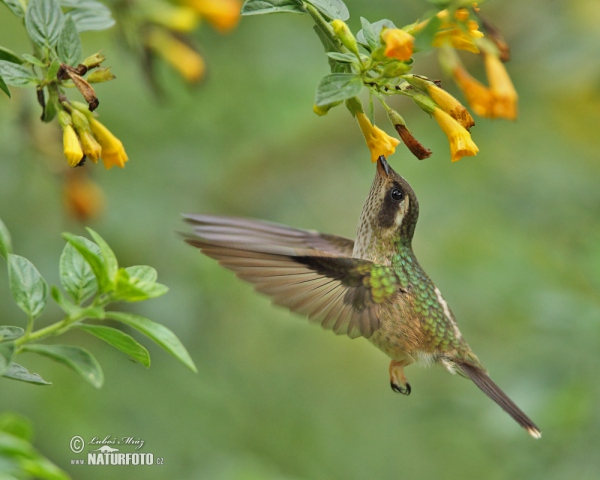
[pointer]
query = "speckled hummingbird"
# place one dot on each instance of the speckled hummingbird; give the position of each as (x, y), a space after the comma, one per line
(372, 287)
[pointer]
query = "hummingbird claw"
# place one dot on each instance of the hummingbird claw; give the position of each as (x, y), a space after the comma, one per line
(399, 389)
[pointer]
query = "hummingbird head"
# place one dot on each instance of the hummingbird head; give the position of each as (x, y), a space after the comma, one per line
(388, 217)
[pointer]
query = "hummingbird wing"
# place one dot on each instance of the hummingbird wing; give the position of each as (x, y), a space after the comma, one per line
(232, 229)
(343, 293)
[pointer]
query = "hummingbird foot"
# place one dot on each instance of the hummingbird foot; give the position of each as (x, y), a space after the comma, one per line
(398, 380)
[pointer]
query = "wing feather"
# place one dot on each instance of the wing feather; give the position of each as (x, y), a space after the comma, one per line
(307, 272)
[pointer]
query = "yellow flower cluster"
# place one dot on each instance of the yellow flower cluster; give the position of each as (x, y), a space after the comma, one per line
(461, 37)
(499, 100)
(166, 24)
(86, 137)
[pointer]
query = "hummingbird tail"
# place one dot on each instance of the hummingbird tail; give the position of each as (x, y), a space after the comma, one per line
(487, 386)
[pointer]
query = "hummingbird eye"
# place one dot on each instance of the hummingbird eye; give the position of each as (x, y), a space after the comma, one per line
(396, 194)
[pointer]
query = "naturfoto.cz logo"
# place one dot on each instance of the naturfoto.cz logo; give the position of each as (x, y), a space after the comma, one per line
(108, 454)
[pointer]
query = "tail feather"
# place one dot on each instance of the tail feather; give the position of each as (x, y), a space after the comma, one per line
(487, 386)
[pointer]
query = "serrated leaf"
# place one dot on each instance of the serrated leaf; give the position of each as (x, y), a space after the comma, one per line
(18, 372)
(44, 21)
(5, 241)
(110, 260)
(92, 256)
(8, 332)
(69, 44)
(15, 7)
(76, 275)
(133, 289)
(332, 9)
(261, 7)
(142, 272)
(89, 14)
(120, 341)
(376, 28)
(158, 333)
(7, 352)
(9, 56)
(28, 287)
(367, 35)
(337, 87)
(424, 37)
(76, 358)
(17, 75)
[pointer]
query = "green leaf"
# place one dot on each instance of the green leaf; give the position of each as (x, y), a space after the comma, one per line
(367, 35)
(8, 332)
(76, 358)
(15, 7)
(110, 260)
(69, 44)
(76, 275)
(134, 289)
(16, 425)
(337, 87)
(375, 30)
(119, 340)
(343, 57)
(4, 87)
(92, 255)
(52, 71)
(142, 272)
(7, 352)
(158, 333)
(89, 14)
(51, 104)
(259, 7)
(28, 287)
(9, 56)
(17, 75)
(333, 9)
(424, 37)
(18, 372)
(33, 60)
(44, 21)
(5, 241)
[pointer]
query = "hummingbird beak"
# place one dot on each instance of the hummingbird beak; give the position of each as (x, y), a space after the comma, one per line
(383, 167)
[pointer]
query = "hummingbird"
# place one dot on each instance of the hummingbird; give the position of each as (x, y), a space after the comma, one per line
(372, 287)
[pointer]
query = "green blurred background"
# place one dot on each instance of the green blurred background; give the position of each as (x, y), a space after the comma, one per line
(512, 238)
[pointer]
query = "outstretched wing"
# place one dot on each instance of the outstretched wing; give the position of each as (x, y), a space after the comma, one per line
(242, 230)
(344, 294)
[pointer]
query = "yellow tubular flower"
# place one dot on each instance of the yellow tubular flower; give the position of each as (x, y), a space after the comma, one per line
(505, 95)
(461, 144)
(181, 56)
(379, 142)
(113, 152)
(91, 148)
(450, 105)
(398, 43)
(224, 15)
(71, 147)
(178, 18)
(480, 97)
